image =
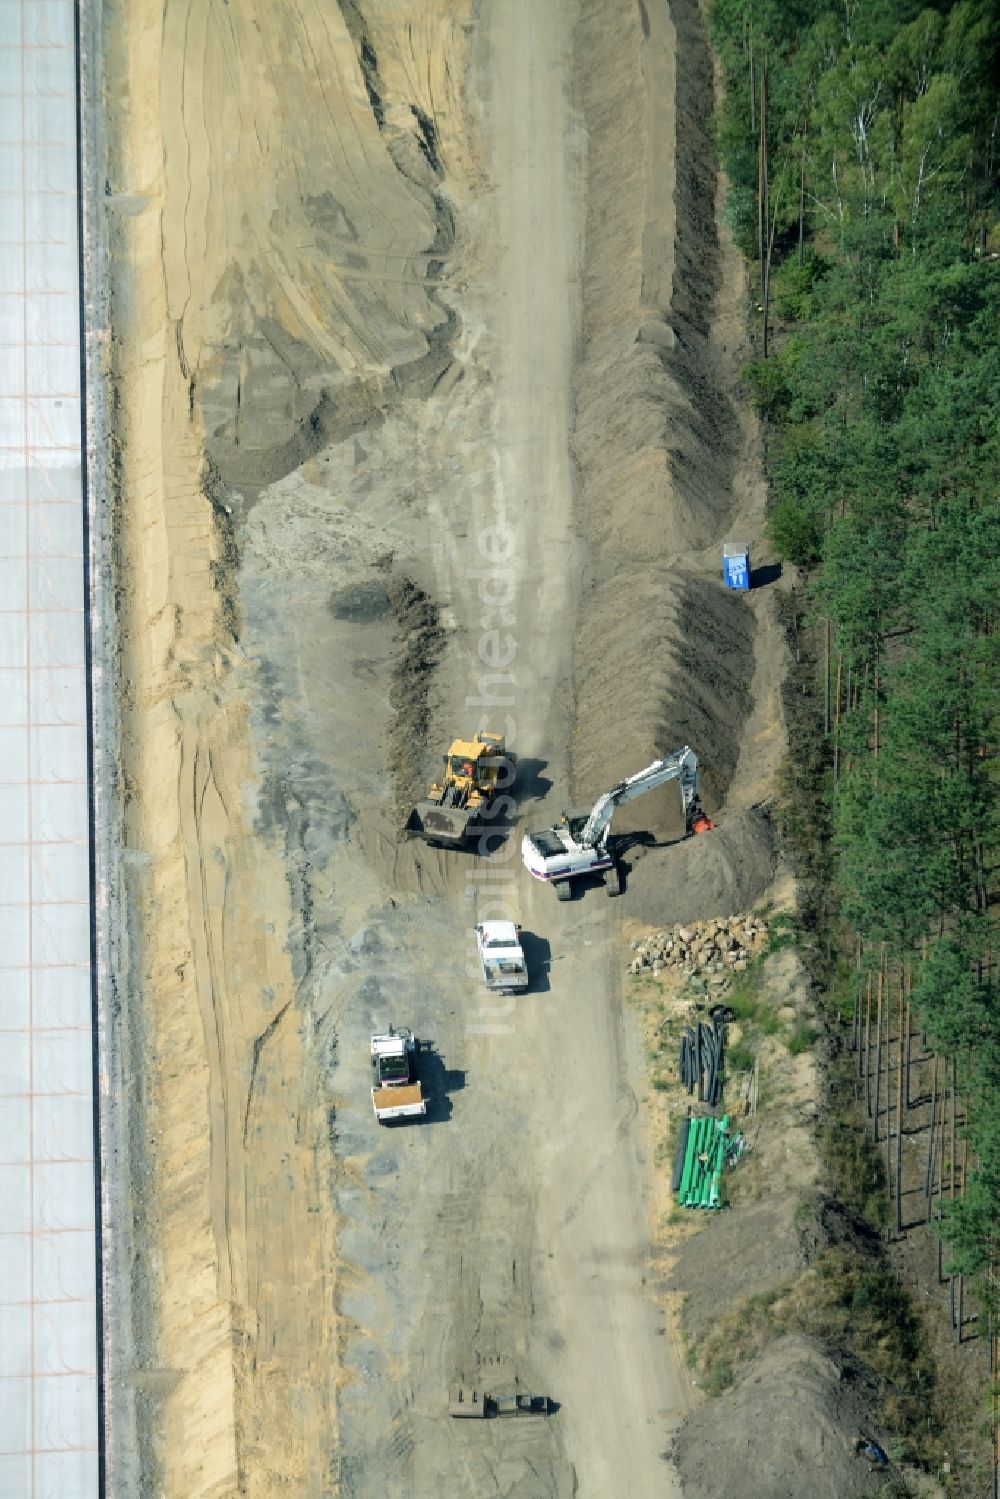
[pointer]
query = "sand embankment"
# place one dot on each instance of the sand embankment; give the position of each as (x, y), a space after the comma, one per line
(269, 265)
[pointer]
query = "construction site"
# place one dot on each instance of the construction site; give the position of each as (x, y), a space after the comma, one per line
(415, 438)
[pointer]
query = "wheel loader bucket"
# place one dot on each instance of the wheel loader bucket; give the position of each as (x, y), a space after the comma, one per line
(439, 824)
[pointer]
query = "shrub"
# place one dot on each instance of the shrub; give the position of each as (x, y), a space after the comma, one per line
(718, 1378)
(802, 1037)
(795, 532)
(768, 386)
(739, 1057)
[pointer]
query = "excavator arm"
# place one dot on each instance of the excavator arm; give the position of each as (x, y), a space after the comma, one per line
(681, 766)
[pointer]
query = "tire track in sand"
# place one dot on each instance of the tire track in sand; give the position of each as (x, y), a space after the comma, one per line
(239, 1258)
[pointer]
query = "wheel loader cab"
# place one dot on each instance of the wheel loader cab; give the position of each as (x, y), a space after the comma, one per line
(475, 763)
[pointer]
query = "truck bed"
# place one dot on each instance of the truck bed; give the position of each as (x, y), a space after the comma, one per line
(392, 1102)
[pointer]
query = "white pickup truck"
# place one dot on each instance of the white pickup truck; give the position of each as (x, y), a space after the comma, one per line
(501, 956)
(396, 1090)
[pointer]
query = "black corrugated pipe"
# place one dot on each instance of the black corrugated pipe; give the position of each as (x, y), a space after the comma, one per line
(711, 1050)
(699, 1065)
(688, 1062)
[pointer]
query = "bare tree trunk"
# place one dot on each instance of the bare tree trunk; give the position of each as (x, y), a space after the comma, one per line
(802, 197)
(961, 1278)
(868, 1049)
(826, 679)
(763, 197)
(878, 1049)
(929, 1175)
(940, 1171)
(836, 721)
(758, 104)
(952, 1172)
(904, 1020)
(982, 893)
(994, 1413)
(909, 1042)
(753, 88)
(856, 1016)
(856, 1028)
(888, 1085)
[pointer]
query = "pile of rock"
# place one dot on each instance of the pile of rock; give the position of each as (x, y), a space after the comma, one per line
(709, 950)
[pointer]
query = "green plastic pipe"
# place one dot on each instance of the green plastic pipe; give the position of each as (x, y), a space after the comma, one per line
(719, 1162)
(708, 1150)
(685, 1170)
(695, 1138)
(694, 1134)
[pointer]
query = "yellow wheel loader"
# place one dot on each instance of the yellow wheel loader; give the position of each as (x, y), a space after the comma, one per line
(476, 772)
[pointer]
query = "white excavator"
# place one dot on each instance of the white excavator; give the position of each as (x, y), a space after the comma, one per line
(578, 846)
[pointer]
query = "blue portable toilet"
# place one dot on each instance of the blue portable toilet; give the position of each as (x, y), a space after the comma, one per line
(736, 564)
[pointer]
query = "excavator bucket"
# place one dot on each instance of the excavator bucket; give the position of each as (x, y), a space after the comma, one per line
(448, 825)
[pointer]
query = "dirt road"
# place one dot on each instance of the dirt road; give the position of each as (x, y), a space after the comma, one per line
(509, 1240)
(617, 1374)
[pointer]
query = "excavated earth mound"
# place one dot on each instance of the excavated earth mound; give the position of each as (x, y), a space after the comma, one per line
(790, 1425)
(665, 655)
(715, 1267)
(728, 870)
(637, 632)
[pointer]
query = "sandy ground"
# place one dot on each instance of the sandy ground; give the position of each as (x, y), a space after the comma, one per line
(360, 339)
